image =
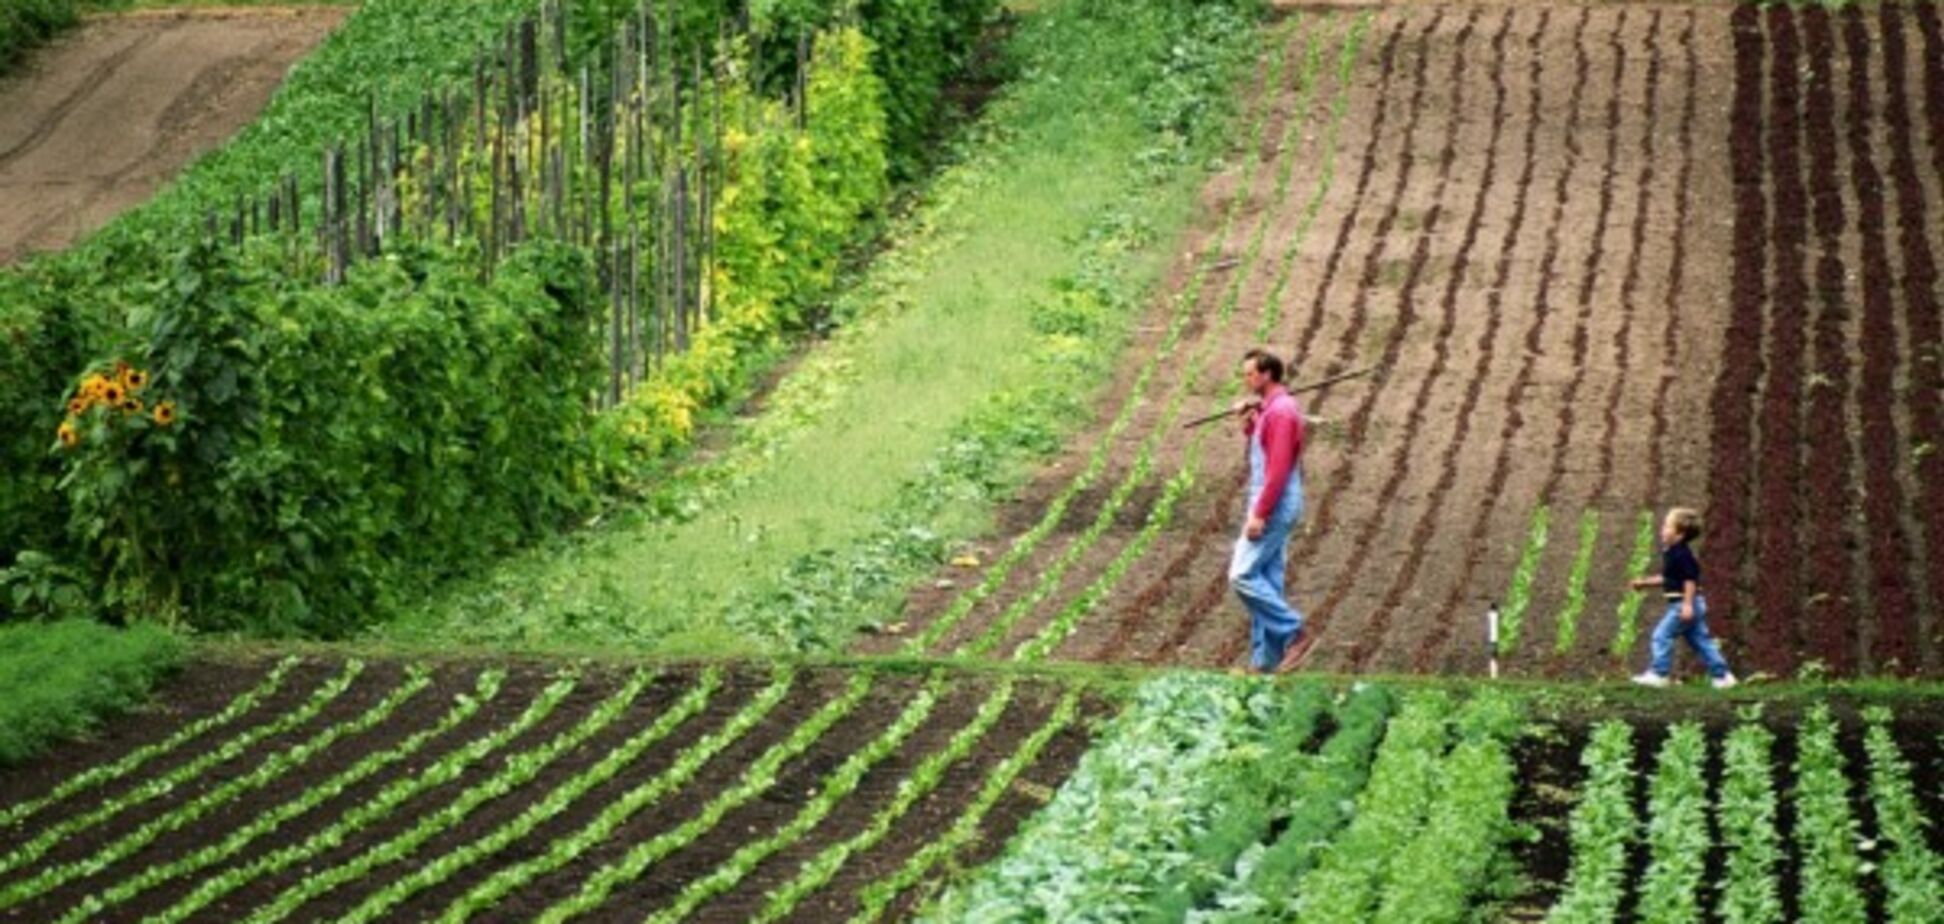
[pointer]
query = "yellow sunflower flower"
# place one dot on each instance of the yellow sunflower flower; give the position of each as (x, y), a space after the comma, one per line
(70, 437)
(131, 406)
(136, 380)
(165, 413)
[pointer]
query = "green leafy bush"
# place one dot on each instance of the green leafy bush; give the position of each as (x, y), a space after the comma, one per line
(27, 23)
(58, 679)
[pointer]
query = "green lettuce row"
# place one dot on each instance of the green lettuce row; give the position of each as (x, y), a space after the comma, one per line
(1603, 826)
(273, 768)
(839, 784)
(463, 708)
(1628, 613)
(819, 870)
(1589, 538)
(519, 770)
(1747, 809)
(133, 760)
(565, 849)
(1518, 598)
(432, 872)
(876, 898)
(1825, 827)
(446, 769)
(1469, 828)
(1910, 870)
(755, 781)
(1346, 884)
(1267, 883)
(1677, 830)
(229, 750)
(1253, 797)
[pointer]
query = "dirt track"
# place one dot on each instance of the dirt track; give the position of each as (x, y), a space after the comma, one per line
(98, 122)
(1529, 218)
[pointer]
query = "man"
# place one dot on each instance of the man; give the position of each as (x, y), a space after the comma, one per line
(1272, 424)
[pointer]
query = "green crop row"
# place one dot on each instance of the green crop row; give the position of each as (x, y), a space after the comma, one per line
(1325, 789)
(924, 779)
(1518, 597)
(1911, 871)
(1628, 613)
(437, 870)
(838, 785)
(447, 769)
(134, 759)
(876, 897)
(756, 779)
(1746, 810)
(1826, 828)
(463, 708)
(1604, 827)
(158, 786)
(1677, 830)
(273, 768)
(518, 770)
(564, 849)
(1351, 872)
(1589, 538)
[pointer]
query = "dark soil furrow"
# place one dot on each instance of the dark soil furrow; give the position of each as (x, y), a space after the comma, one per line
(1631, 276)
(1671, 341)
(1894, 648)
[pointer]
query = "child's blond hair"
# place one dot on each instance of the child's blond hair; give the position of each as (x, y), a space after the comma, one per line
(1687, 521)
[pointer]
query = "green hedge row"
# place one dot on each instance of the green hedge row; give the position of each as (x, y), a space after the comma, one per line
(27, 23)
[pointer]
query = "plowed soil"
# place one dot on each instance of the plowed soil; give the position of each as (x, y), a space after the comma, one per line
(98, 122)
(1605, 260)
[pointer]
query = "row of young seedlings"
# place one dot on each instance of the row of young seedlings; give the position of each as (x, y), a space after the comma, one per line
(1826, 834)
(1627, 614)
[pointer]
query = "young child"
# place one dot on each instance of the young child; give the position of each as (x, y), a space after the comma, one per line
(1687, 610)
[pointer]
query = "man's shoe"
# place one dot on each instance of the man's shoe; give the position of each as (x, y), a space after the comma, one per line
(1295, 654)
(1650, 679)
(1726, 682)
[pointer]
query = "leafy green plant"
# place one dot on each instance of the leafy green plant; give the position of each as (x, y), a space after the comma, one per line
(1910, 870)
(1628, 613)
(1589, 537)
(1826, 829)
(1677, 829)
(1746, 810)
(1518, 598)
(1604, 827)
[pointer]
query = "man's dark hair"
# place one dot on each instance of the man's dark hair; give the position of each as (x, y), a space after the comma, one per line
(1265, 362)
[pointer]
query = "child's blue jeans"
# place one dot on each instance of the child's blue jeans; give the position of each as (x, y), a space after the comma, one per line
(1695, 631)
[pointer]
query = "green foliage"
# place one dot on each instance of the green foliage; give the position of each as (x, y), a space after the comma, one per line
(57, 680)
(1677, 829)
(1589, 537)
(27, 23)
(1826, 827)
(1911, 870)
(1628, 614)
(1518, 598)
(1604, 827)
(1747, 810)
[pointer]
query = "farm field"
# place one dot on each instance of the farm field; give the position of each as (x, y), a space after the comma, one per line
(1587, 301)
(103, 119)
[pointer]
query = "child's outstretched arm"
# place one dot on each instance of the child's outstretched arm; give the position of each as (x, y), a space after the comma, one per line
(1645, 583)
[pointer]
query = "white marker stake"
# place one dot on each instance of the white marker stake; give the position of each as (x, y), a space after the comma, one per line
(1492, 637)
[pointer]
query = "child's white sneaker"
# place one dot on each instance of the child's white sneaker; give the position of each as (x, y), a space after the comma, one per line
(1650, 679)
(1725, 682)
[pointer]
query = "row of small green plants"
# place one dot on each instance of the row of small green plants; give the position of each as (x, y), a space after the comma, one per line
(331, 451)
(1827, 836)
